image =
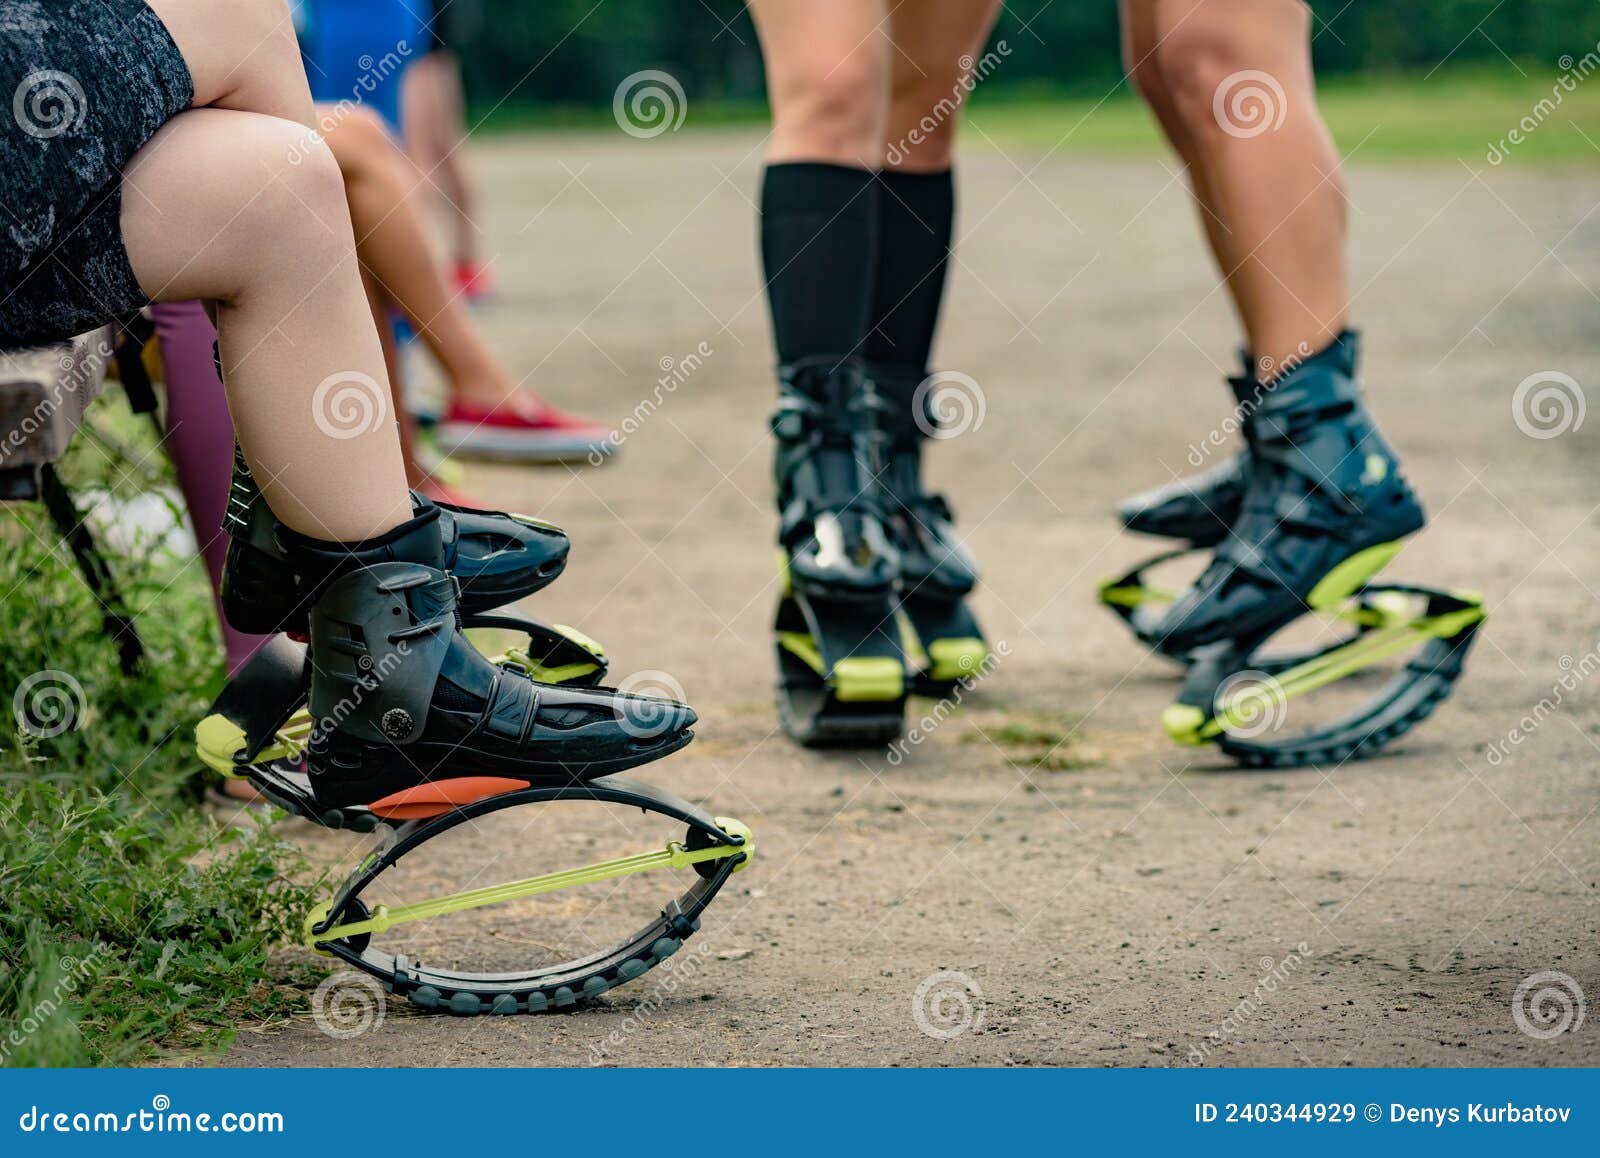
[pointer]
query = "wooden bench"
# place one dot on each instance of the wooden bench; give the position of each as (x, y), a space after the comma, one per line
(45, 392)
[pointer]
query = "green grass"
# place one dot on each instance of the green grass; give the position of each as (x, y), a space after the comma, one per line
(1044, 743)
(1455, 113)
(130, 923)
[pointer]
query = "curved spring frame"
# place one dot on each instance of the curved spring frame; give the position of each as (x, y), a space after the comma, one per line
(716, 849)
(1208, 710)
(257, 730)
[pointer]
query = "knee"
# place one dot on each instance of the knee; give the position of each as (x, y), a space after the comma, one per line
(356, 135)
(838, 115)
(300, 192)
(316, 182)
(365, 127)
(924, 114)
(1143, 70)
(1208, 72)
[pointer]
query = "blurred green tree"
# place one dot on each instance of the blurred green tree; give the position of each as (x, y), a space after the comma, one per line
(576, 52)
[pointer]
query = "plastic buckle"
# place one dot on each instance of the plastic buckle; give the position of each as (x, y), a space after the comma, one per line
(789, 423)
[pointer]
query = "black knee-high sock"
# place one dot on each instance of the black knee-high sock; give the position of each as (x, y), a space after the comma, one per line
(916, 219)
(819, 244)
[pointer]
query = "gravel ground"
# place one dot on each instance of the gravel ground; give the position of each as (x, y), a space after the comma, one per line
(1132, 903)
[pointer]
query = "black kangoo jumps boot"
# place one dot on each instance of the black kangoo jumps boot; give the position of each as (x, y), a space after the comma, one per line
(829, 496)
(498, 558)
(400, 697)
(937, 572)
(842, 676)
(1324, 510)
(1203, 507)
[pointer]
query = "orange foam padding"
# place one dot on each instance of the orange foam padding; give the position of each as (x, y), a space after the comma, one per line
(440, 796)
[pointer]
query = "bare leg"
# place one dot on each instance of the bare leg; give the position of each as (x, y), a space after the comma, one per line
(244, 57)
(827, 64)
(931, 37)
(214, 208)
(435, 117)
(393, 248)
(405, 425)
(1269, 163)
(1139, 45)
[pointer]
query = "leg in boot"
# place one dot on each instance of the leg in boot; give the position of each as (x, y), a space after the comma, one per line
(1324, 510)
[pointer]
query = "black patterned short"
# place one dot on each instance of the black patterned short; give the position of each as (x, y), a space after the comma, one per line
(83, 85)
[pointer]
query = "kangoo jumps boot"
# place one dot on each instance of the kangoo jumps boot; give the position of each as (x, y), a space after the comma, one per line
(829, 496)
(1324, 509)
(400, 698)
(498, 558)
(1202, 508)
(842, 672)
(937, 572)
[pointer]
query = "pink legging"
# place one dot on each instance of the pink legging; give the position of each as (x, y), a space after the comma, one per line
(200, 443)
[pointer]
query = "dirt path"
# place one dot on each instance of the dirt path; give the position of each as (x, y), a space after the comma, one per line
(1122, 911)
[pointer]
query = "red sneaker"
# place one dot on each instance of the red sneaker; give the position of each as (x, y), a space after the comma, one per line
(524, 429)
(473, 280)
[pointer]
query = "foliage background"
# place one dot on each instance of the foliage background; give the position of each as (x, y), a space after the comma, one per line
(574, 52)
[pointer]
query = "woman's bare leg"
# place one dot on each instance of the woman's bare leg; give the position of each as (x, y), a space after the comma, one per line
(1241, 80)
(242, 55)
(827, 64)
(405, 424)
(1140, 43)
(434, 111)
(931, 37)
(394, 250)
(215, 208)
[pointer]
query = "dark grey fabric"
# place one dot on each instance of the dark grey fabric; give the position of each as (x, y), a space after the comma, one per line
(83, 85)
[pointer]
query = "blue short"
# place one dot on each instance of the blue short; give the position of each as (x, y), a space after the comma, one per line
(358, 50)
